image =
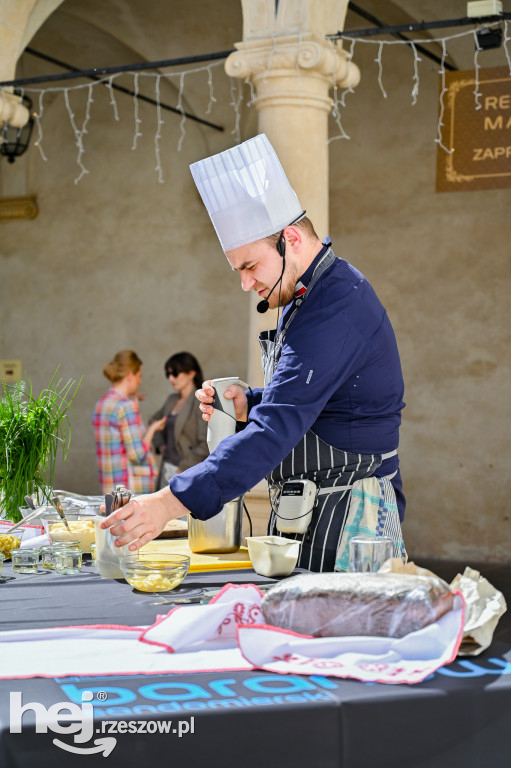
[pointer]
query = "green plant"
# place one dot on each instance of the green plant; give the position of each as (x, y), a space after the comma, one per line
(31, 431)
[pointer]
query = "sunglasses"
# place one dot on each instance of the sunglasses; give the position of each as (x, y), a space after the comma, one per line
(173, 372)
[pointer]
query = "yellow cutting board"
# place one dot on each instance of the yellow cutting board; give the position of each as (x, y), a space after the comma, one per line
(229, 561)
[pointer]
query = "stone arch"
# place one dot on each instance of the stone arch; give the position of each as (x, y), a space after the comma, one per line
(19, 21)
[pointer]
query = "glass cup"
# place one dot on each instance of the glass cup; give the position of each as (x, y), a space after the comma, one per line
(68, 562)
(368, 553)
(25, 560)
(2, 558)
(93, 553)
(48, 553)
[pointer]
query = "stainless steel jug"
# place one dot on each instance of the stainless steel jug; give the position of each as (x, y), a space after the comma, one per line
(221, 533)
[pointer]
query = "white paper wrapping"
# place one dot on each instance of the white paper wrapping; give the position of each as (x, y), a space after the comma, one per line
(484, 605)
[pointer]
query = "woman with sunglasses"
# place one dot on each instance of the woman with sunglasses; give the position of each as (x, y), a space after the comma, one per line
(182, 442)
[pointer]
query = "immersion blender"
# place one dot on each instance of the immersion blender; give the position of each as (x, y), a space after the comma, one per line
(221, 533)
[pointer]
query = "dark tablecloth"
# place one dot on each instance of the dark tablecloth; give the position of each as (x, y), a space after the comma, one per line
(459, 718)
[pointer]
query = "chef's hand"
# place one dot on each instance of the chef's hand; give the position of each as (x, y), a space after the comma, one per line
(234, 392)
(144, 518)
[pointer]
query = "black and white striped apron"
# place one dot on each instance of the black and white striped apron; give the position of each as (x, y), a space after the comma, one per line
(332, 470)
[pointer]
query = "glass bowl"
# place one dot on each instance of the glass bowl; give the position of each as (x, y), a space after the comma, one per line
(10, 541)
(154, 573)
(81, 530)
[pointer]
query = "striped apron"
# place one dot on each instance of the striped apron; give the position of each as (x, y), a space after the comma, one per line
(332, 470)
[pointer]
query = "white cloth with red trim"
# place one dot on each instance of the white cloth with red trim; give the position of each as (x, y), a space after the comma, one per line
(24, 532)
(228, 634)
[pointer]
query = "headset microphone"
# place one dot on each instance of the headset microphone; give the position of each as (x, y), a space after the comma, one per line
(264, 305)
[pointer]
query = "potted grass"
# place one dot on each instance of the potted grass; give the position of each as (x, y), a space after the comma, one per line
(32, 429)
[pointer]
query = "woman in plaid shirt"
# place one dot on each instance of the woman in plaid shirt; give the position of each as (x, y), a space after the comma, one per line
(123, 444)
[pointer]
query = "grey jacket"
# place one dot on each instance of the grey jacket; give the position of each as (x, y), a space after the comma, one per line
(190, 431)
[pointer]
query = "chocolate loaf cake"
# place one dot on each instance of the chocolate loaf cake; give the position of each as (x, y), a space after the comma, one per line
(366, 604)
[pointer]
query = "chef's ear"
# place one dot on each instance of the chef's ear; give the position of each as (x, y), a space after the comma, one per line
(292, 235)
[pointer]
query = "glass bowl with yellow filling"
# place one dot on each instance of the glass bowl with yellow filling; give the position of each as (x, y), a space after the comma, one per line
(81, 530)
(154, 573)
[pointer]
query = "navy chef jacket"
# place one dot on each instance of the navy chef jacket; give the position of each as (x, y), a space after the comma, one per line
(339, 374)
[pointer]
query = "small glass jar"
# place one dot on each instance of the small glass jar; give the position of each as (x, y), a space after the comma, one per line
(25, 560)
(47, 557)
(68, 562)
(48, 553)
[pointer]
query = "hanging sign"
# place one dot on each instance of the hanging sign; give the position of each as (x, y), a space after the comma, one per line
(476, 131)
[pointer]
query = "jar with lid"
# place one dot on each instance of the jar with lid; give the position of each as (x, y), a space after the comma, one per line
(68, 562)
(48, 552)
(25, 560)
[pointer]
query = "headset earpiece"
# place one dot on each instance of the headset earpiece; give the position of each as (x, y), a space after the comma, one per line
(281, 244)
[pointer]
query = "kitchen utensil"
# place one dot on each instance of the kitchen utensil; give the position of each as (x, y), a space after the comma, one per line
(222, 422)
(109, 500)
(81, 529)
(29, 501)
(223, 561)
(24, 521)
(368, 553)
(204, 597)
(58, 506)
(107, 554)
(273, 555)
(146, 574)
(221, 533)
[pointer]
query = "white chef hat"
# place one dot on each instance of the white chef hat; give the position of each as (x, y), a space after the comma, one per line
(246, 192)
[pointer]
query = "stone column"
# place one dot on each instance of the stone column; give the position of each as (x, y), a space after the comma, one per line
(292, 67)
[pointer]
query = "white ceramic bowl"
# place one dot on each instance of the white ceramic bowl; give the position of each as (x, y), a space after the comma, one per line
(273, 555)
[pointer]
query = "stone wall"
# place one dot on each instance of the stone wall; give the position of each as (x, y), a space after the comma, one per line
(122, 261)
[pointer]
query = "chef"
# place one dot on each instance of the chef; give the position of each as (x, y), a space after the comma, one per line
(330, 409)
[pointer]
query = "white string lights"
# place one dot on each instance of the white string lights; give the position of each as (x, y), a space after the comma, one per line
(237, 96)
(336, 113)
(236, 91)
(380, 69)
(138, 121)
(108, 83)
(412, 44)
(160, 122)
(211, 92)
(443, 91)
(416, 61)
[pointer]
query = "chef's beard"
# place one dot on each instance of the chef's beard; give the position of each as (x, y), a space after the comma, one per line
(284, 293)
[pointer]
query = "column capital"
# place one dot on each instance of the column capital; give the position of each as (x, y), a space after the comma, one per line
(292, 55)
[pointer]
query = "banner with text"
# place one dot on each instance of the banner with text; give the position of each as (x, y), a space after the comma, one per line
(477, 128)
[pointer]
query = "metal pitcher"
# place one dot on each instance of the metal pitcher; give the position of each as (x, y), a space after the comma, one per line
(221, 533)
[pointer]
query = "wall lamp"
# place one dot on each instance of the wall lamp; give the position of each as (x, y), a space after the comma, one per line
(15, 141)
